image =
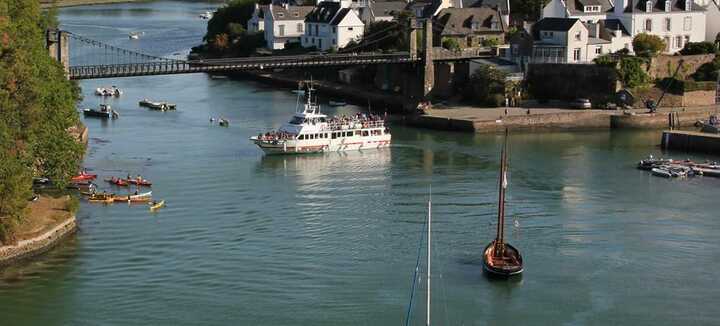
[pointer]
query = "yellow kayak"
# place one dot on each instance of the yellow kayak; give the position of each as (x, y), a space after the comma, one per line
(156, 205)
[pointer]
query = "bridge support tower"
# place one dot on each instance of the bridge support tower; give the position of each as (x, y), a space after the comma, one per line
(58, 45)
(428, 66)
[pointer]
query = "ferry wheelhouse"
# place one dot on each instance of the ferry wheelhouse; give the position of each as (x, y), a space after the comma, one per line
(310, 131)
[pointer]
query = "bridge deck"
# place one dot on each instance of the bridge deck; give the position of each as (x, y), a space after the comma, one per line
(168, 67)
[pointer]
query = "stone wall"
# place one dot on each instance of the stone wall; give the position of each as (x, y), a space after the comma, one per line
(570, 81)
(661, 119)
(554, 121)
(37, 245)
(664, 66)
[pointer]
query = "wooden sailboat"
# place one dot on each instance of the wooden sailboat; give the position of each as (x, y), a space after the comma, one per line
(500, 258)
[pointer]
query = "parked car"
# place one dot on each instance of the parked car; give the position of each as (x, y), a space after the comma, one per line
(581, 103)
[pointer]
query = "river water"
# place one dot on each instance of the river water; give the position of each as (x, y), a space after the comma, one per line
(332, 239)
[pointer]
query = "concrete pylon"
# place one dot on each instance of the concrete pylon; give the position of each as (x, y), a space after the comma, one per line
(413, 37)
(58, 45)
(429, 69)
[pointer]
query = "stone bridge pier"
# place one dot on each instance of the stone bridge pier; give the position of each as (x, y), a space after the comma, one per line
(58, 45)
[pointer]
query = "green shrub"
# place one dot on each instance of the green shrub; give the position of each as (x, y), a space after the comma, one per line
(694, 48)
(648, 45)
(490, 42)
(708, 71)
(450, 44)
(632, 73)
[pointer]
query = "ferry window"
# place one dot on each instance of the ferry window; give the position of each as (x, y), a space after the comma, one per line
(327, 135)
(357, 132)
(301, 137)
(334, 135)
(365, 133)
(296, 120)
(322, 119)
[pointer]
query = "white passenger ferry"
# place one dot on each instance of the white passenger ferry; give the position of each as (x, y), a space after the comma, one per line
(310, 131)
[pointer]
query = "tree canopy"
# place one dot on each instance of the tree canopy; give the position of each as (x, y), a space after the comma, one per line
(647, 45)
(37, 107)
(693, 48)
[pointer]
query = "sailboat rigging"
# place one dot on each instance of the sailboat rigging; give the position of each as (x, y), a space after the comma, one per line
(417, 267)
(499, 257)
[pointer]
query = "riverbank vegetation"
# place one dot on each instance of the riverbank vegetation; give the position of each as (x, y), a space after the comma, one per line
(37, 107)
(226, 33)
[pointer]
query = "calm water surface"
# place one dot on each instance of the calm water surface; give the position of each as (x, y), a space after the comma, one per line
(331, 239)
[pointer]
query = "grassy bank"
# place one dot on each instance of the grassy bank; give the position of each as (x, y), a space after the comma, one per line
(71, 3)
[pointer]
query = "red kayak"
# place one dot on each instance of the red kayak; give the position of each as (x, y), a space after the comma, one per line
(141, 182)
(83, 177)
(117, 182)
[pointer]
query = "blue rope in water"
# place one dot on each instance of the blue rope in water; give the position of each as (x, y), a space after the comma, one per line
(414, 281)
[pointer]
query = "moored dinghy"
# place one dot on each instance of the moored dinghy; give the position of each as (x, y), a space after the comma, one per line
(500, 258)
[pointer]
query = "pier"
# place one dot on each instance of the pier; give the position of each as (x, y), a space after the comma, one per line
(691, 141)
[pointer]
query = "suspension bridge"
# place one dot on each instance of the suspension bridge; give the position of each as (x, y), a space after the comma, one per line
(85, 58)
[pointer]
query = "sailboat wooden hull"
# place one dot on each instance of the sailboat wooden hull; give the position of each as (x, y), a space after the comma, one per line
(509, 264)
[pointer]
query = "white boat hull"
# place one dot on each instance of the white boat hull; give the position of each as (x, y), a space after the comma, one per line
(323, 145)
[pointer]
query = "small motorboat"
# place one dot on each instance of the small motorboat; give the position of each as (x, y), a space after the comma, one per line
(108, 91)
(207, 15)
(102, 198)
(41, 181)
(135, 35)
(499, 257)
(83, 176)
(336, 102)
(135, 198)
(103, 112)
(224, 122)
(117, 181)
(159, 106)
(672, 171)
(155, 205)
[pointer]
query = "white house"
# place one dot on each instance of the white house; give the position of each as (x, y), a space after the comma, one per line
(284, 23)
(332, 25)
(712, 19)
(676, 21)
(569, 40)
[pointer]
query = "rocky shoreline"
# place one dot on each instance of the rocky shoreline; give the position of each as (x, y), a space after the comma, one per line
(37, 245)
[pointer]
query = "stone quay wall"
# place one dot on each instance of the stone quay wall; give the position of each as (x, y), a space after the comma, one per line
(38, 245)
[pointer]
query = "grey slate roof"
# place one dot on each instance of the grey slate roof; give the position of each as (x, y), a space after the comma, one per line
(459, 21)
(577, 7)
(323, 12)
(388, 8)
(291, 12)
(502, 5)
(339, 16)
(659, 6)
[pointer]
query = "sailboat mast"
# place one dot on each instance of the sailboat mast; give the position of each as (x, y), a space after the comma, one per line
(427, 323)
(501, 194)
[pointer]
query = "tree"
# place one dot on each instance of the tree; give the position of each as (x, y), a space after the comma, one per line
(648, 45)
(450, 44)
(708, 71)
(486, 86)
(632, 73)
(37, 106)
(382, 36)
(694, 48)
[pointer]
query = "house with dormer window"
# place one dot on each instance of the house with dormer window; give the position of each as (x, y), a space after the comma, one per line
(677, 22)
(332, 24)
(283, 24)
(570, 40)
(470, 27)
